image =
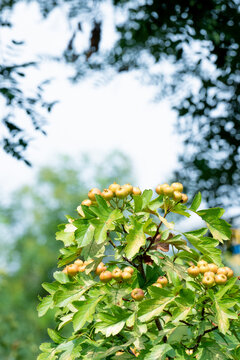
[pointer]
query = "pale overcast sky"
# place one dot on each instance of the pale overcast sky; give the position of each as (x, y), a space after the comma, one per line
(90, 118)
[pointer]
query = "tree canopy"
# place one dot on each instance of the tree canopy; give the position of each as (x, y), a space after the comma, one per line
(190, 51)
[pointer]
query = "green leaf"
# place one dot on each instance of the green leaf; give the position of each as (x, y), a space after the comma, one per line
(102, 227)
(146, 198)
(64, 297)
(102, 210)
(174, 270)
(100, 355)
(135, 239)
(64, 320)
(156, 203)
(68, 255)
(55, 336)
(45, 305)
(50, 287)
(188, 296)
(159, 352)
(111, 324)
(61, 277)
(180, 209)
(152, 308)
(86, 310)
(92, 250)
(137, 203)
(210, 350)
(196, 202)
(181, 314)
(207, 246)
(219, 228)
(84, 233)
(66, 236)
(170, 226)
(178, 242)
(70, 350)
(224, 314)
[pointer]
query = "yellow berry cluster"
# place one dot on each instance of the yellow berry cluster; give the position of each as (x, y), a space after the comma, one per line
(116, 274)
(173, 191)
(211, 273)
(101, 270)
(76, 267)
(161, 282)
(114, 190)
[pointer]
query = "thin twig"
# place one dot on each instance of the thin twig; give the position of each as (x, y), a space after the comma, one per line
(160, 328)
(199, 338)
(185, 322)
(154, 237)
(124, 257)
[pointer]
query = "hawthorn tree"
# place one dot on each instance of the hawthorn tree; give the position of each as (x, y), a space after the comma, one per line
(133, 285)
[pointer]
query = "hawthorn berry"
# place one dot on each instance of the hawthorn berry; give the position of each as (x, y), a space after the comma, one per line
(177, 196)
(86, 202)
(105, 276)
(208, 280)
(100, 268)
(136, 190)
(113, 187)
(126, 275)
(78, 262)
(157, 285)
(107, 194)
(72, 269)
(201, 262)
(93, 192)
(168, 191)
(193, 271)
(137, 294)
(213, 268)
(230, 272)
(128, 187)
(223, 270)
(121, 192)
(220, 279)
(184, 198)
(162, 280)
(117, 274)
(177, 186)
(203, 268)
(129, 269)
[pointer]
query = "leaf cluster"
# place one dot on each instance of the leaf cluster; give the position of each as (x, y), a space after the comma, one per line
(95, 320)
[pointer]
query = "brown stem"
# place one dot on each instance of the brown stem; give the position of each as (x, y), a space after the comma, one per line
(199, 338)
(186, 323)
(124, 229)
(124, 257)
(168, 312)
(160, 328)
(140, 267)
(154, 237)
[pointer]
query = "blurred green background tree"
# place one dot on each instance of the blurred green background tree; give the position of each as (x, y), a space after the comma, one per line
(28, 246)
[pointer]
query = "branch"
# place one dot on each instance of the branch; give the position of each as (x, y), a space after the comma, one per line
(124, 257)
(154, 237)
(160, 328)
(199, 338)
(186, 323)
